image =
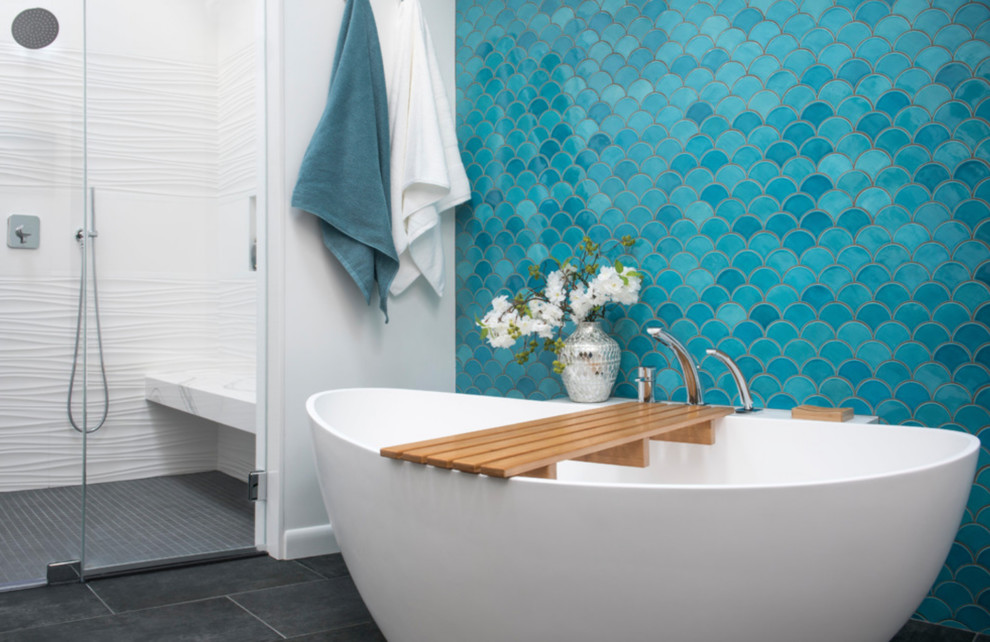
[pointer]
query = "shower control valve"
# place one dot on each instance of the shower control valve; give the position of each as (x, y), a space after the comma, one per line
(23, 231)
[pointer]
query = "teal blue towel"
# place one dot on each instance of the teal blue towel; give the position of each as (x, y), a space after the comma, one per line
(344, 178)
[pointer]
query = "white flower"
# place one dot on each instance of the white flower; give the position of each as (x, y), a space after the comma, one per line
(498, 321)
(500, 305)
(555, 288)
(498, 338)
(581, 303)
(629, 295)
(616, 286)
(608, 282)
(543, 314)
(547, 317)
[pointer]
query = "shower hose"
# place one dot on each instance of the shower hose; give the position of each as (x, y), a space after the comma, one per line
(81, 237)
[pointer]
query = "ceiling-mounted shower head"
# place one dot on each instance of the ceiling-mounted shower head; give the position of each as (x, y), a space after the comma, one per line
(35, 28)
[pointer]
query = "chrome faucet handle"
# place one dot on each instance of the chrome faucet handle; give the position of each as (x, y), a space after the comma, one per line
(737, 375)
(692, 381)
(644, 380)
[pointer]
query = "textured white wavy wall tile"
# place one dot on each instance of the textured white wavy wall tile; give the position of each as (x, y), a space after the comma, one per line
(148, 324)
(235, 452)
(41, 99)
(237, 311)
(179, 30)
(238, 183)
(237, 123)
(36, 334)
(152, 125)
(155, 235)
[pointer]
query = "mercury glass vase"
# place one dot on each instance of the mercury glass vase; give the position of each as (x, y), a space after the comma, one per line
(591, 360)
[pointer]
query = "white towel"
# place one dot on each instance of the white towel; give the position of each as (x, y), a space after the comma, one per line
(427, 174)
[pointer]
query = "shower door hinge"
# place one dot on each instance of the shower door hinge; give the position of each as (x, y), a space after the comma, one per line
(257, 485)
(63, 572)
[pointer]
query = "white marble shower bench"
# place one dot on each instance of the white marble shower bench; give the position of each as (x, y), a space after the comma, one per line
(225, 397)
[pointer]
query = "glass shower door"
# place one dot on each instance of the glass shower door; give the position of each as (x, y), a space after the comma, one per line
(174, 167)
(42, 197)
(131, 168)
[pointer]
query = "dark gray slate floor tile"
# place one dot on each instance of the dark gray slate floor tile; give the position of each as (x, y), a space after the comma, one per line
(361, 633)
(48, 605)
(917, 631)
(215, 620)
(132, 592)
(308, 608)
(326, 565)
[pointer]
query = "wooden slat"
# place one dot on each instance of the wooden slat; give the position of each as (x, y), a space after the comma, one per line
(656, 416)
(536, 439)
(516, 464)
(419, 450)
(617, 434)
(515, 435)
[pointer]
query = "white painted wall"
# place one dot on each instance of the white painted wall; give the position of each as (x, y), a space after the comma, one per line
(322, 335)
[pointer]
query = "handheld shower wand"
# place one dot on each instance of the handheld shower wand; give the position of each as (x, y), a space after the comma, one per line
(81, 237)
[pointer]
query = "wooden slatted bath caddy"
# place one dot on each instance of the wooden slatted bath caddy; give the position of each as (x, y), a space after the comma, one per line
(618, 434)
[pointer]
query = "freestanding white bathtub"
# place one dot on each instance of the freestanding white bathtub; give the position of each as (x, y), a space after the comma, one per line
(783, 531)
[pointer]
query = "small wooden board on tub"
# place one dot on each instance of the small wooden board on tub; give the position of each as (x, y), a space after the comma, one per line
(818, 413)
(618, 434)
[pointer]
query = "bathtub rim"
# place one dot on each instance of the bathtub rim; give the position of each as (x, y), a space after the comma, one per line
(971, 449)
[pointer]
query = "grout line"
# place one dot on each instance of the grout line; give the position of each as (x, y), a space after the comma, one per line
(244, 608)
(355, 625)
(311, 580)
(312, 570)
(301, 565)
(120, 614)
(54, 624)
(102, 601)
(342, 629)
(170, 604)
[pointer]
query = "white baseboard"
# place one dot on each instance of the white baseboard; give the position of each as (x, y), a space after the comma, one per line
(309, 541)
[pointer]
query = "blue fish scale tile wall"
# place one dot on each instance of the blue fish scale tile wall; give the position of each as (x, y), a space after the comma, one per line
(807, 181)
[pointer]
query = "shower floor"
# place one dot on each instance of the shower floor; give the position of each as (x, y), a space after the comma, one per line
(127, 522)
